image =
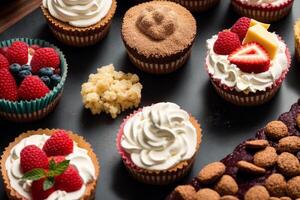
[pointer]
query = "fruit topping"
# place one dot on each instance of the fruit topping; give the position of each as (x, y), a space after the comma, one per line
(15, 68)
(32, 87)
(254, 22)
(8, 86)
(45, 57)
(55, 80)
(226, 43)
(18, 53)
(263, 37)
(3, 51)
(46, 71)
(38, 193)
(3, 61)
(33, 157)
(69, 181)
(250, 57)
(241, 27)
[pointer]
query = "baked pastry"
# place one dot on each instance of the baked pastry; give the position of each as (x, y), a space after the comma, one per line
(247, 64)
(33, 73)
(158, 36)
(297, 39)
(79, 23)
(72, 166)
(265, 11)
(265, 167)
(197, 5)
(158, 144)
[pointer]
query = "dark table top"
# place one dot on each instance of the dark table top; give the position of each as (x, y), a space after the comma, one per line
(224, 125)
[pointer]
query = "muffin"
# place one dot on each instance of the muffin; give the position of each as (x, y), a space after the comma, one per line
(158, 144)
(158, 36)
(297, 39)
(247, 64)
(33, 73)
(197, 5)
(79, 23)
(34, 152)
(265, 11)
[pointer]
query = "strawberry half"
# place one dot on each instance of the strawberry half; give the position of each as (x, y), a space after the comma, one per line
(251, 57)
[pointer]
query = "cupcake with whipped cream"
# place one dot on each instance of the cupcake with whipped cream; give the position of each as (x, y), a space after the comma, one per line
(247, 64)
(79, 23)
(158, 143)
(297, 39)
(263, 10)
(49, 164)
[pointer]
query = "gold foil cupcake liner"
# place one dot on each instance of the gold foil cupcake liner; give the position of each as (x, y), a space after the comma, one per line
(297, 40)
(80, 37)
(197, 5)
(81, 142)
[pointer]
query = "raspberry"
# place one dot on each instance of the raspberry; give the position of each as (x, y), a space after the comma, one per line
(18, 53)
(33, 157)
(8, 85)
(32, 87)
(3, 61)
(241, 27)
(226, 43)
(59, 144)
(69, 181)
(45, 57)
(57, 159)
(38, 192)
(3, 51)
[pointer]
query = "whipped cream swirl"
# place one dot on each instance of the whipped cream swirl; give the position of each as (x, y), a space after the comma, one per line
(79, 158)
(230, 75)
(264, 2)
(159, 137)
(78, 13)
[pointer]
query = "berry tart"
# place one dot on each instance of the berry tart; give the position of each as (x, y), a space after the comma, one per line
(33, 73)
(77, 22)
(197, 5)
(297, 39)
(266, 167)
(158, 144)
(247, 64)
(158, 36)
(263, 10)
(49, 164)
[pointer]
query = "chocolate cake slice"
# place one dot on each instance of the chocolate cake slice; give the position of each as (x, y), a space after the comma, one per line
(265, 167)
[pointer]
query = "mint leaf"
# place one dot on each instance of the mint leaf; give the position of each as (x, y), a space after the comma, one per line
(48, 183)
(52, 164)
(35, 174)
(59, 168)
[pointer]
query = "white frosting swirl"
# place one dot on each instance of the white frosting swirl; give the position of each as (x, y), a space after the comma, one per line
(159, 137)
(79, 158)
(78, 13)
(264, 2)
(230, 75)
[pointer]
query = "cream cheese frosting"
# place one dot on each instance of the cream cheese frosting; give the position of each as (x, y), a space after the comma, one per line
(264, 2)
(229, 74)
(78, 13)
(79, 158)
(159, 137)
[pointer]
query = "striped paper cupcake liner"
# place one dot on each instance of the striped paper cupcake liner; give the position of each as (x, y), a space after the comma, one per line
(26, 111)
(197, 5)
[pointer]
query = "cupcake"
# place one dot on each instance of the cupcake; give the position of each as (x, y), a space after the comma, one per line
(158, 36)
(197, 5)
(158, 144)
(49, 164)
(33, 73)
(297, 39)
(263, 10)
(247, 64)
(79, 23)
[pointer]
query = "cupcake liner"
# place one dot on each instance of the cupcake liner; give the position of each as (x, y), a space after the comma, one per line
(297, 40)
(25, 111)
(197, 5)
(80, 37)
(269, 13)
(251, 98)
(157, 177)
(90, 188)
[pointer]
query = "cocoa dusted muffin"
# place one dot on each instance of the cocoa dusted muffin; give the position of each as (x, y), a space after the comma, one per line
(158, 36)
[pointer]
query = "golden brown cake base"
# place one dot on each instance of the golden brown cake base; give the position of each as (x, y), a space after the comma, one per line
(79, 37)
(90, 188)
(297, 40)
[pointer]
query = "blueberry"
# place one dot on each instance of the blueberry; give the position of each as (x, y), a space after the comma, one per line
(46, 80)
(46, 71)
(23, 74)
(15, 68)
(26, 67)
(55, 79)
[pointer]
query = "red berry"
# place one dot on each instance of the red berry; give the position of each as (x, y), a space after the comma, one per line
(35, 47)
(226, 43)
(3, 51)
(18, 53)
(241, 27)
(45, 57)
(8, 85)
(38, 192)
(59, 144)
(32, 87)
(3, 61)
(57, 159)
(69, 181)
(33, 157)
(251, 57)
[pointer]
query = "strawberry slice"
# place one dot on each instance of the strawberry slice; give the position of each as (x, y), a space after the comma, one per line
(251, 57)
